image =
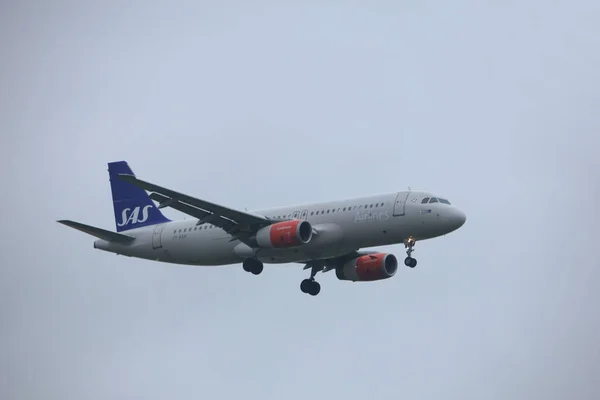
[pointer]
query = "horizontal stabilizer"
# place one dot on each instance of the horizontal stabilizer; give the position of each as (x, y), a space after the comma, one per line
(99, 233)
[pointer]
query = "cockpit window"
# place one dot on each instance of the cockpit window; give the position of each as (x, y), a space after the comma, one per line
(433, 200)
(425, 200)
(444, 201)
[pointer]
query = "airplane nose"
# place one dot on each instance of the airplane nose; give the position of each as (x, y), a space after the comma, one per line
(458, 218)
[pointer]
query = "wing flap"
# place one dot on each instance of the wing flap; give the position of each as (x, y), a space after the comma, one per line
(98, 232)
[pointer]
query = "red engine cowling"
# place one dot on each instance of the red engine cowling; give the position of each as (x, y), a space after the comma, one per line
(371, 267)
(285, 234)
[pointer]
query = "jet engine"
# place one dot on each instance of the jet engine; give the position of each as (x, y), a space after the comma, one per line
(285, 234)
(371, 267)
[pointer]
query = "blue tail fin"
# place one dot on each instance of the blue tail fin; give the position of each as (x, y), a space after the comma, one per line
(133, 207)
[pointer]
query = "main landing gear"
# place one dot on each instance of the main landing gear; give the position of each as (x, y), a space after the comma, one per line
(409, 261)
(310, 285)
(253, 265)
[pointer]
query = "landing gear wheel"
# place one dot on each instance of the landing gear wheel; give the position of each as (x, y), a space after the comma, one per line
(305, 285)
(310, 286)
(247, 265)
(258, 268)
(252, 265)
(409, 261)
(315, 288)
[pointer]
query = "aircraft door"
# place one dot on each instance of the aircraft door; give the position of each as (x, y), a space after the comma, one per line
(157, 236)
(296, 215)
(400, 203)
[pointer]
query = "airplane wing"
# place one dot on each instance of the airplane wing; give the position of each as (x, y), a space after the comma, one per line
(237, 223)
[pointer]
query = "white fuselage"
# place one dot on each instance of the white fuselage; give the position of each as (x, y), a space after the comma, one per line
(342, 226)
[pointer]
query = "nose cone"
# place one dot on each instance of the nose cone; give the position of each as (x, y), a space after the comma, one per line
(457, 218)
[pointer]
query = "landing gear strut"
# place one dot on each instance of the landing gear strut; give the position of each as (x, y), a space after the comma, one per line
(253, 265)
(310, 285)
(409, 261)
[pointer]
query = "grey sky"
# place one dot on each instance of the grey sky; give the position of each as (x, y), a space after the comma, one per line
(492, 104)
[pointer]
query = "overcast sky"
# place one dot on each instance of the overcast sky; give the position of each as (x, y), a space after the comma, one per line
(493, 105)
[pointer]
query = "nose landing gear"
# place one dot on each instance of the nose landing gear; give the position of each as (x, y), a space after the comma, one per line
(409, 261)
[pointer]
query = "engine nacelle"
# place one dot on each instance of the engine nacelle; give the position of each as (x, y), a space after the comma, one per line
(285, 234)
(371, 267)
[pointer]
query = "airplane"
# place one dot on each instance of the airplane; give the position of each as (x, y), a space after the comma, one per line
(324, 236)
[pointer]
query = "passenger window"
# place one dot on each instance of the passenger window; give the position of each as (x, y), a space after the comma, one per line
(425, 200)
(371, 206)
(433, 200)
(328, 211)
